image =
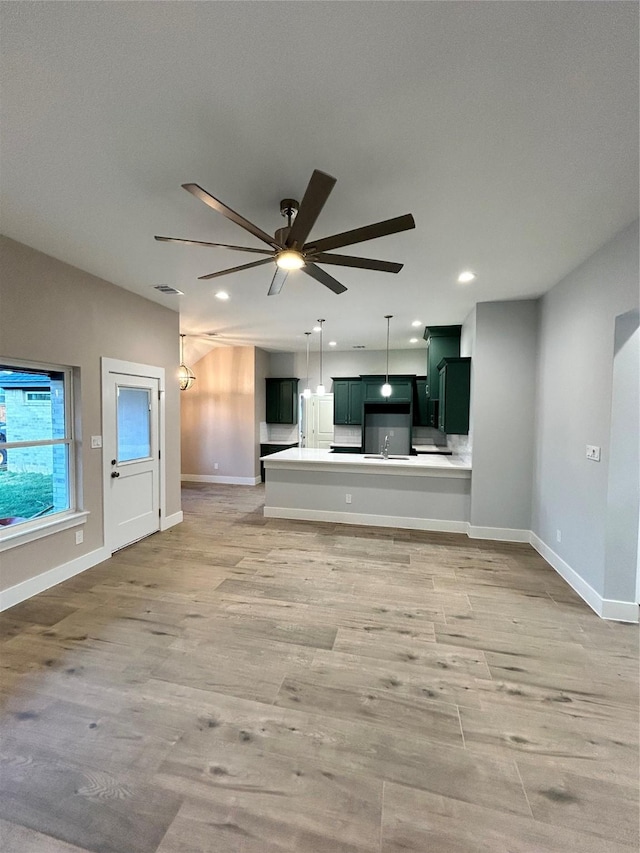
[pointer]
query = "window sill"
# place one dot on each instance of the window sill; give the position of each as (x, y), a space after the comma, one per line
(29, 532)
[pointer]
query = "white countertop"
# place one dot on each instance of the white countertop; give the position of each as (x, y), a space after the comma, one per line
(312, 459)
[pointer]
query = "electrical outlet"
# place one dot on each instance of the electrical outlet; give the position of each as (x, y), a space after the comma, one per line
(558, 535)
(215, 466)
(96, 441)
(593, 452)
(348, 498)
(79, 537)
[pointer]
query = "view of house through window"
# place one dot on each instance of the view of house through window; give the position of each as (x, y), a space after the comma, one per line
(35, 443)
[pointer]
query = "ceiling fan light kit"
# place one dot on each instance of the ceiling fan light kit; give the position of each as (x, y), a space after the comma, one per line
(288, 247)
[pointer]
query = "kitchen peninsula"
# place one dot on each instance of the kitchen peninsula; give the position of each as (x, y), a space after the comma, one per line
(415, 492)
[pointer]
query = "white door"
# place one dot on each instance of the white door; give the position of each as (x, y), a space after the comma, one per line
(131, 454)
(318, 421)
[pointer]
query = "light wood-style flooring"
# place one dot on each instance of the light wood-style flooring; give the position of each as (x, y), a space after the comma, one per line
(244, 685)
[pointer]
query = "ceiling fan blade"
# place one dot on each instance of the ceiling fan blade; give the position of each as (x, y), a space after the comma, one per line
(315, 196)
(208, 199)
(359, 235)
(324, 278)
(216, 245)
(235, 269)
(279, 278)
(361, 263)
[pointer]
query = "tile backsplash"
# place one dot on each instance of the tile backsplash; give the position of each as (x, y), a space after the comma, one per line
(278, 432)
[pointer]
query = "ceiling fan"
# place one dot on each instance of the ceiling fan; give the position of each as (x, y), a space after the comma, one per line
(288, 248)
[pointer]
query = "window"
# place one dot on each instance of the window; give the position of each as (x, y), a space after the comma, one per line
(36, 448)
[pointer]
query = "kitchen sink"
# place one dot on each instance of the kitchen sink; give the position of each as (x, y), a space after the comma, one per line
(390, 456)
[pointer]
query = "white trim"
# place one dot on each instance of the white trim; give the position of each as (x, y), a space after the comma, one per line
(499, 534)
(367, 520)
(171, 520)
(215, 478)
(622, 611)
(33, 586)
(11, 537)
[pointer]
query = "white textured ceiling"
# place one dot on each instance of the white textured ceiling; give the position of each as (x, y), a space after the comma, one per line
(508, 129)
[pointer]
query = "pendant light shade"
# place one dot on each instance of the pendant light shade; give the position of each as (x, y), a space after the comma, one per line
(307, 391)
(320, 390)
(186, 376)
(386, 388)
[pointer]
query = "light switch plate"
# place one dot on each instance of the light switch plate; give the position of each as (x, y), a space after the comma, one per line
(593, 452)
(96, 441)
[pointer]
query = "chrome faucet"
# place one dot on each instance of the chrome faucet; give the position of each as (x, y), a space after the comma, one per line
(384, 452)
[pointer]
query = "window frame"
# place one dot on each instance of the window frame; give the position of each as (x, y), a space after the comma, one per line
(28, 531)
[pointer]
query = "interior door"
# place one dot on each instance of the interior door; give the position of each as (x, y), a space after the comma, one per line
(317, 421)
(132, 468)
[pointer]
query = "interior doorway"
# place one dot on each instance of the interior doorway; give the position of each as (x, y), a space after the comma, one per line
(317, 421)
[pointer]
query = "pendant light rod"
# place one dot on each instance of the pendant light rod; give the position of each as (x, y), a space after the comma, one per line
(307, 390)
(386, 389)
(320, 389)
(388, 317)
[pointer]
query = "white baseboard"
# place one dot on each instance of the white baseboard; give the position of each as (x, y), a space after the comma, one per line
(499, 534)
(215, 478)
(26, 589)
(366, 520)
(620, 611)
(171, 520)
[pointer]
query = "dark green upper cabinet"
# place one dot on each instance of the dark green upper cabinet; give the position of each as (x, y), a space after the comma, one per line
(421, 403)
(282, 401)
(454, 394)
(442, 342)
(401, 385)
(347, 401)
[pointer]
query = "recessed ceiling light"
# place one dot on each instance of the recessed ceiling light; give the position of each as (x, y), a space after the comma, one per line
(222, 294)
(333, 343)
(417, 323)
(466, 277)
(316, 328)
(413, 340)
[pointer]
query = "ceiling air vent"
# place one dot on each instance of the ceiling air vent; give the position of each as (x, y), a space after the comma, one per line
(166, 288)
(359, 346)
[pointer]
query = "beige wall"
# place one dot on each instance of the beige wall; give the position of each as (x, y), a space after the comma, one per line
(219, 416)
(54, 313)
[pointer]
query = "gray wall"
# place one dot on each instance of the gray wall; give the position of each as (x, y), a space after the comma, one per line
(54, 313)
(501, 338)
(575, 379)
(347, 363)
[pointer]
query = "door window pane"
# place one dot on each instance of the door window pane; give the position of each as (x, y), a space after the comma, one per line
(134, 423)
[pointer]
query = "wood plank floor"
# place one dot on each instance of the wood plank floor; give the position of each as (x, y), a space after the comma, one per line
(243, 685)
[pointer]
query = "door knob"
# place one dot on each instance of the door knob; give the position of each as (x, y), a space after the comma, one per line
(115, 474)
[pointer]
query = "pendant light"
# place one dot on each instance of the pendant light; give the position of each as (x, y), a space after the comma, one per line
(307, 391)
(320, 390)
(186, 376)
(386, 388)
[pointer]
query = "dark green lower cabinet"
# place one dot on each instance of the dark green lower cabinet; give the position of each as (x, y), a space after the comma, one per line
(454, 395)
